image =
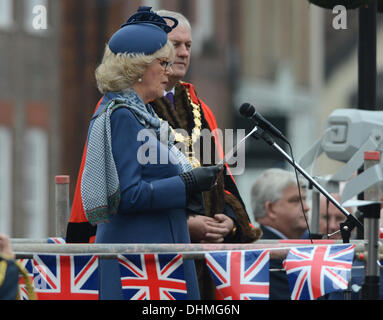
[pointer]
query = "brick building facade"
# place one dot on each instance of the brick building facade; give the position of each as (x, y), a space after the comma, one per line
(48, 91)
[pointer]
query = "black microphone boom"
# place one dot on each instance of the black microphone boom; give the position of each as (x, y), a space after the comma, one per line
(248, 111)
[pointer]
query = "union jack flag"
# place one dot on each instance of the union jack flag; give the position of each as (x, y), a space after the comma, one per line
(28, 265)
(61, 277)
(315, 271)
(152, 277)
(240, 275)
(65, 277)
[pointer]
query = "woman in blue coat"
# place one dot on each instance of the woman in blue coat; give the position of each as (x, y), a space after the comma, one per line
(136, 184)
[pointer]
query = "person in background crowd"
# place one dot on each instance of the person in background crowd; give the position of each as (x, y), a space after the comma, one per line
(330, 218)
(276, 205)
(277, 208)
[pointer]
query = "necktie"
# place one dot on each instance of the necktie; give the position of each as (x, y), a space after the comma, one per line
(170, 97)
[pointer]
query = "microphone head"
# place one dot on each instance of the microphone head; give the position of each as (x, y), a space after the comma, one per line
(246, 110)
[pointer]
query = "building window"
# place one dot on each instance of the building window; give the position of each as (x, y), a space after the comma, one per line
(203, 28)
(5, 180)
(36, 183)
(6, 14)
(36, 16)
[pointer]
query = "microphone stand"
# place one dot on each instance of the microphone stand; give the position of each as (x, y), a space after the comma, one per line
(345, 227)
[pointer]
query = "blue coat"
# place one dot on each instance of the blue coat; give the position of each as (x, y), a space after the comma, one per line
(152, 206)
(9, 282)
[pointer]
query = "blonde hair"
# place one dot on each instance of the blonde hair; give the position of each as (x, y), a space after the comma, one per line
(118, 72)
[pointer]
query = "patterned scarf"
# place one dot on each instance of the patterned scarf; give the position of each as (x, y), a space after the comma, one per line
(100, 188)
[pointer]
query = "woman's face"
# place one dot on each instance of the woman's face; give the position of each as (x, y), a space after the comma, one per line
(154, 80)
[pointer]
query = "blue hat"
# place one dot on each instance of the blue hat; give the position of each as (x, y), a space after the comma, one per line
(144, 32)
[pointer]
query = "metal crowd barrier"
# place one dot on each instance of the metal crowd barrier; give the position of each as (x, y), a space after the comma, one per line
(26, 248)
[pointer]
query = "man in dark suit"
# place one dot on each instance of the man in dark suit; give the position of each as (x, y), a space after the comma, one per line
(277, 209)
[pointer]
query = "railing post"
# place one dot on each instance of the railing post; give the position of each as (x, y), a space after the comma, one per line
(370, 286)
(62, 205)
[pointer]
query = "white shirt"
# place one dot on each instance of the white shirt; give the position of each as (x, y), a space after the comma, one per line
(172, 91)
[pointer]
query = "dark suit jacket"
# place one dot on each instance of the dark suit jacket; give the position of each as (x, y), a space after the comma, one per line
(279, 285)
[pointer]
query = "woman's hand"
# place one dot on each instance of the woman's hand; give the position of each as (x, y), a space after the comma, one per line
(5, 247)
(209, 230)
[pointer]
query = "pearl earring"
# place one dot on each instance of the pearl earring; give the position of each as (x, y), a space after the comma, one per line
(140, 80)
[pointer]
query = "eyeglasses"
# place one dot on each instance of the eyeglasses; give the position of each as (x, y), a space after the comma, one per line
(165, 64)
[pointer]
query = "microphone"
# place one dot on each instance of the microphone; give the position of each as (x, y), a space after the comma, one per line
(248, 111)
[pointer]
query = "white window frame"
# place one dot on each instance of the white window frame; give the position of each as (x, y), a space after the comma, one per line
(36, 190)
(6, 14)
(6, 180)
